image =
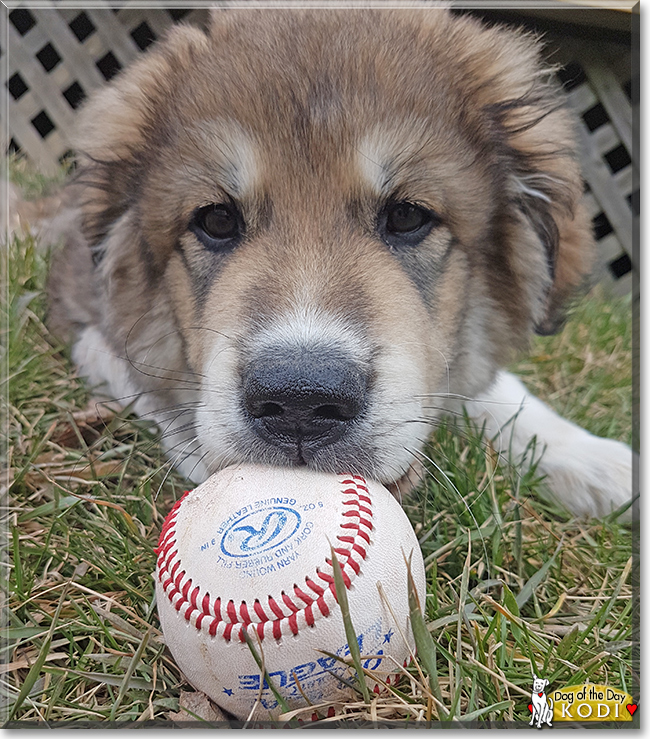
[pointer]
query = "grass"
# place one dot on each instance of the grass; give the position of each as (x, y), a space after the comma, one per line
(514, 584)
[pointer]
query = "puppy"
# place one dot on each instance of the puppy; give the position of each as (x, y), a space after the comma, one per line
(301, 236)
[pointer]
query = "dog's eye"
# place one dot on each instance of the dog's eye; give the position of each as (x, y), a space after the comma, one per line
(217, 225)
(404, 224)
(405, 217)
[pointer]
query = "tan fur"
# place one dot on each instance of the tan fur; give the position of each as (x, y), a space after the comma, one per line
(310, 120)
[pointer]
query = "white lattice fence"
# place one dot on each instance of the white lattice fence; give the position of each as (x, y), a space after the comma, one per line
(599, 86)
(55, 57)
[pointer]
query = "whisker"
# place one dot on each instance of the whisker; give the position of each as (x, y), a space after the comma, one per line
(425, 457)
(174, 462)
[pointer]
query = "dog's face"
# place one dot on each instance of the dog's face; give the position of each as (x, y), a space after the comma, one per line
(344, 217)
(539, 685)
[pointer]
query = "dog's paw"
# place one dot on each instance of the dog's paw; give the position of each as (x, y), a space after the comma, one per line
(588, 475)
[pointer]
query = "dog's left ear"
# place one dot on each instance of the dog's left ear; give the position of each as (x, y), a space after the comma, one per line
(535, 140)
(552, 207)
(546, 187)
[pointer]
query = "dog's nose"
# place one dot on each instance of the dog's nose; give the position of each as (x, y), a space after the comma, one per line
(304, 402)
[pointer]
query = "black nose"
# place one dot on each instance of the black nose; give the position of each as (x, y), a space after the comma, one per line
(304, 402)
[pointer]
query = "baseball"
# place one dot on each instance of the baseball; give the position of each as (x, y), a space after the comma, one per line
(249, 550)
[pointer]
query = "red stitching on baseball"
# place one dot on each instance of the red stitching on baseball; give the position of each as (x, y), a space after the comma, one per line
(167, 545)
(329, 579)
(260, 612)
(355, 566)
(177, 586)
(302, 595)
(275, 607)
(179, 579)
(316, 588)
(290, 604)
(359, 550)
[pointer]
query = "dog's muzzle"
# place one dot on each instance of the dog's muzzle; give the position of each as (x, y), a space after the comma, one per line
(301, 402)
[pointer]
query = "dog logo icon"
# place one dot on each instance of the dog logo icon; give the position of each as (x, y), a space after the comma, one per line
(541, 707)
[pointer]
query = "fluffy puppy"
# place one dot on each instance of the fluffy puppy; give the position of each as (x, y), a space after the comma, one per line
(300, 236)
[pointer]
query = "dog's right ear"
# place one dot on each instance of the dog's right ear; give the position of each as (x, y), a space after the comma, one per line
(121, 125)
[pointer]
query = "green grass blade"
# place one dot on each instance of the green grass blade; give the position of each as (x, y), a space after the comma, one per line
(424, 643)
(136, 683)
(53, 506)
(510, 602)
(32, 676)
(17, 562)
(126, 681)
(36, 668)
(473, 715)
(265, 675)
(353, 644)
(529, 588)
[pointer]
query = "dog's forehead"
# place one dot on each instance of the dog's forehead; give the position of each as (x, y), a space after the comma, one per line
(352, 156)
(314, 84)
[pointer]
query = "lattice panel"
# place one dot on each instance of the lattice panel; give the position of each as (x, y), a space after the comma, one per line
(599, 86)
(57, 56)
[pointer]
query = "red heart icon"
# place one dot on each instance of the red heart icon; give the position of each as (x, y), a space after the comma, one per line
(530, 707)
(540, 694)
(631, 707)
